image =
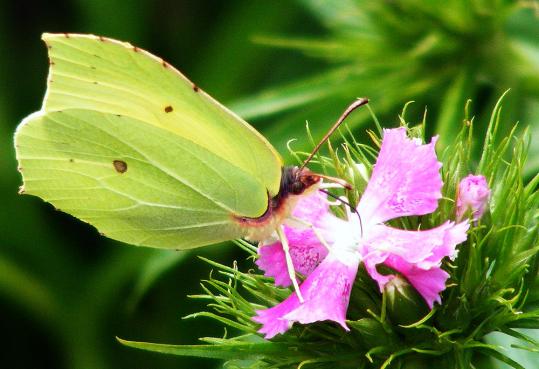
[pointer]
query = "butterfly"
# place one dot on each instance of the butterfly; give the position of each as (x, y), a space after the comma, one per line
(127, 143)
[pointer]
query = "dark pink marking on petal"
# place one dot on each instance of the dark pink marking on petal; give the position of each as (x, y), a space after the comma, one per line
(306, 249)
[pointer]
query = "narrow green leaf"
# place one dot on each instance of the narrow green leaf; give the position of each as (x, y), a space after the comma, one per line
(226, 351)
(451, 114)
(501, 357)
(521, 336)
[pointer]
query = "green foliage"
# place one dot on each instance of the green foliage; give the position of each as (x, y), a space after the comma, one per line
(438, 53)
(491, 285)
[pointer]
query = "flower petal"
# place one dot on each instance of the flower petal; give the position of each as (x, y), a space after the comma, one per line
(271, 260)
(423, 248)
(405, 180)
(429, 283)
(415, 254)
(326, 293)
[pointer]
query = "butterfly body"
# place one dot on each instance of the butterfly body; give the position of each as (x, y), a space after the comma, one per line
(294, 182)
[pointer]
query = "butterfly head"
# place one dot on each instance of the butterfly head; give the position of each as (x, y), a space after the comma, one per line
(296, 181)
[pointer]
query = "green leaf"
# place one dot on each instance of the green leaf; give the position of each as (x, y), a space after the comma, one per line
(527, 359)
(499, 356)
(225, 351)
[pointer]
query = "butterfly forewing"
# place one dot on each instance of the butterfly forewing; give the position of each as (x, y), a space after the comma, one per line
(128, 144)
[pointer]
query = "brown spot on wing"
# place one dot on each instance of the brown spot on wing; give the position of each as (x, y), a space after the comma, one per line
(195, 88)
(120, 166)
(168, 109)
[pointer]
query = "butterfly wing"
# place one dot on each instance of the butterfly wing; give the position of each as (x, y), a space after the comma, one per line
(128, 144)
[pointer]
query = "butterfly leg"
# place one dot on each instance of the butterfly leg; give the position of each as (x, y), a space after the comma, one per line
(289, 264)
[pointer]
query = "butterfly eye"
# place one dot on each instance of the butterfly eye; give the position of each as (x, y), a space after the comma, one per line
(297, 187)
(309, 180)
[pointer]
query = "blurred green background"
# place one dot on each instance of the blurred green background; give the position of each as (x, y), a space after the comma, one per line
(65, 292)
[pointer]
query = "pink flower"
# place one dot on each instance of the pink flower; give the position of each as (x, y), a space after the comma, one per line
(405, 181)
(473, 194)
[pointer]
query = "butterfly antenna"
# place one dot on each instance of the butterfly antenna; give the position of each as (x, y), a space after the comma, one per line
(356, 104)
(354, 210)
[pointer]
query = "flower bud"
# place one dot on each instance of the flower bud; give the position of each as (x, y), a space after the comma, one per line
(473, 195)
(404, 304)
